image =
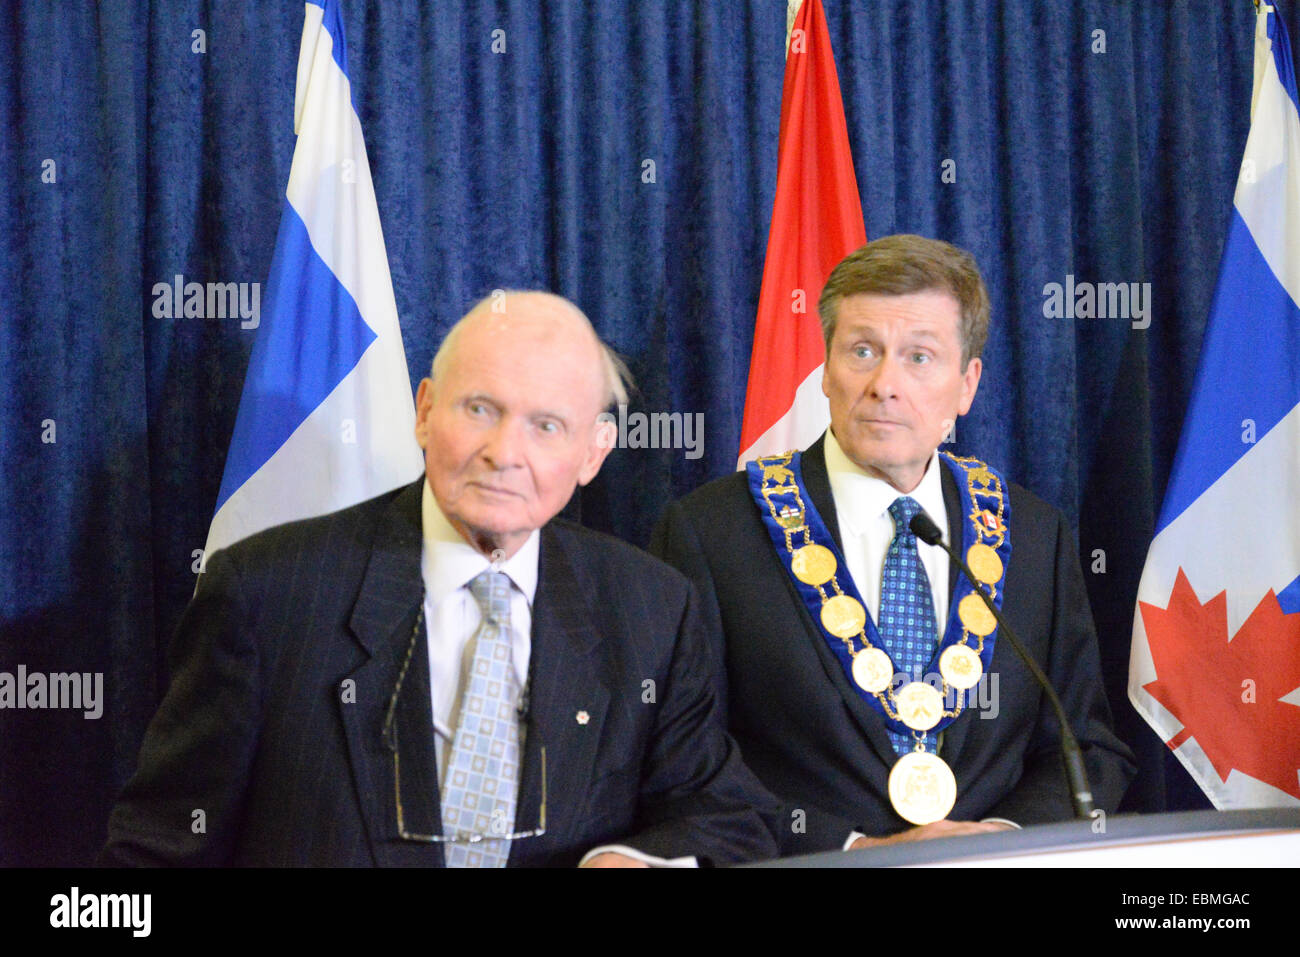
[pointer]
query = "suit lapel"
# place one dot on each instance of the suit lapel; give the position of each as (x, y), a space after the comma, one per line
(955, 734)
(568, 701)
(956, 521)
(382, 622)
(818, 483)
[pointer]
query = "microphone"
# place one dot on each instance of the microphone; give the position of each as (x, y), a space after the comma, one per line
(923, 527)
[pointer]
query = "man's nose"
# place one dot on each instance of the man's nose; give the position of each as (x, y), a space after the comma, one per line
(885, 378)
(504, 446)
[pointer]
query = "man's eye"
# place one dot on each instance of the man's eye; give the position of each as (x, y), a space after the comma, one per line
(476, 408)
(548, 428)
(862, 352)
(920, 357)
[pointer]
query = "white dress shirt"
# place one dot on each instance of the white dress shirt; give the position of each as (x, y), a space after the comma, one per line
(448, 563)
(866, 528)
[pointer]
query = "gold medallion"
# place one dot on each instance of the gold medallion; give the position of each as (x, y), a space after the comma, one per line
(872, 670)
(984, 564)
(961, 666)
(922, 788)
(813, 565)
(843, 616)
(920, 706)
(975, 615)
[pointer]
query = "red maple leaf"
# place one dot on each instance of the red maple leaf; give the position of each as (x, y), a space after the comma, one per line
(1202, 680)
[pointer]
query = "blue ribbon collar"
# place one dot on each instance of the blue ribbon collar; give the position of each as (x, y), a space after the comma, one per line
(808, 552)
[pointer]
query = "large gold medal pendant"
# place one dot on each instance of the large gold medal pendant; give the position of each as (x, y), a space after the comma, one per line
(922, 788)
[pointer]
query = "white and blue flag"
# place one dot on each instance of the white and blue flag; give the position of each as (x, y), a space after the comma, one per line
(326, 418)
(1215, 661)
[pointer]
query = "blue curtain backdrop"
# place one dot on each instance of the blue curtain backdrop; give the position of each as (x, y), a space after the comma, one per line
(1097, 139)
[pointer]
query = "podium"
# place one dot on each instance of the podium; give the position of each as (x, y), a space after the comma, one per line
(1246, 838)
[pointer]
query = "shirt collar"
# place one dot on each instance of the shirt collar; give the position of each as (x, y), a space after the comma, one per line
(448, 562)
(861, 499)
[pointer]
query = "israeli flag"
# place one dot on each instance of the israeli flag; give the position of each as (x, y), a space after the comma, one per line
(326, 418)
(1215, 661)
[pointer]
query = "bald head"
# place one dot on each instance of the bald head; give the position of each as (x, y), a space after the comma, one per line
(510, 422)
(549, 320)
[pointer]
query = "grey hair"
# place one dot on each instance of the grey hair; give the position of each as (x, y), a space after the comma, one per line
(618, 379)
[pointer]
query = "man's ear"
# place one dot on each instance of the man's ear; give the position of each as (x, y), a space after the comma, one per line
(423, 407)
(603, 438)
(970, 385)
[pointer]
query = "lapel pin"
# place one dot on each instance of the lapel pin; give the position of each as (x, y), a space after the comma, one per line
(583, 717)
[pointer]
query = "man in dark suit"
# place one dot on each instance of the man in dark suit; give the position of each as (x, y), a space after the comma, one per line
(904, 320)
(448, 671)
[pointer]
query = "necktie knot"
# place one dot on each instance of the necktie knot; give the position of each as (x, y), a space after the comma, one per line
(491, 589)
(902, 510)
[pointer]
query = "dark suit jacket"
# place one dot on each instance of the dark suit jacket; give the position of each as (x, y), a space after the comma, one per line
(816, 744)
(285, 661)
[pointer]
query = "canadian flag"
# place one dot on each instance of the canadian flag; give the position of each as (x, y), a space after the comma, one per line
(816, 222)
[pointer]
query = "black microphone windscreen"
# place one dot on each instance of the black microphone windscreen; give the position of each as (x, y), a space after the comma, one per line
(923, 527)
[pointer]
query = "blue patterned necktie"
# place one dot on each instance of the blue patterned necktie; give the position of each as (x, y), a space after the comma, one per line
(907, 623)
(481, 779)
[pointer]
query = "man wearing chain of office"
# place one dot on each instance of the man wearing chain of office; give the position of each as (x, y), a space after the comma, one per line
(852, 658)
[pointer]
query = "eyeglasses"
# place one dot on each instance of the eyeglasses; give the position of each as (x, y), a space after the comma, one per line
(390, 741)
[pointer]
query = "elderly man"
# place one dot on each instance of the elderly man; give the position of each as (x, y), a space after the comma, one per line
(866, 683)
(448, 672)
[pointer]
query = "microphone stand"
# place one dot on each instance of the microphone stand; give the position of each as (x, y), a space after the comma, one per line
(923, 527)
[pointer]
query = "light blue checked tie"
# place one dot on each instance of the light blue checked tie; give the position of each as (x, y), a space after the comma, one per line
(481, 779)
(907, 610)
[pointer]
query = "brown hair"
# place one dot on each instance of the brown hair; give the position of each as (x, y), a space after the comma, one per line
(904, 264)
